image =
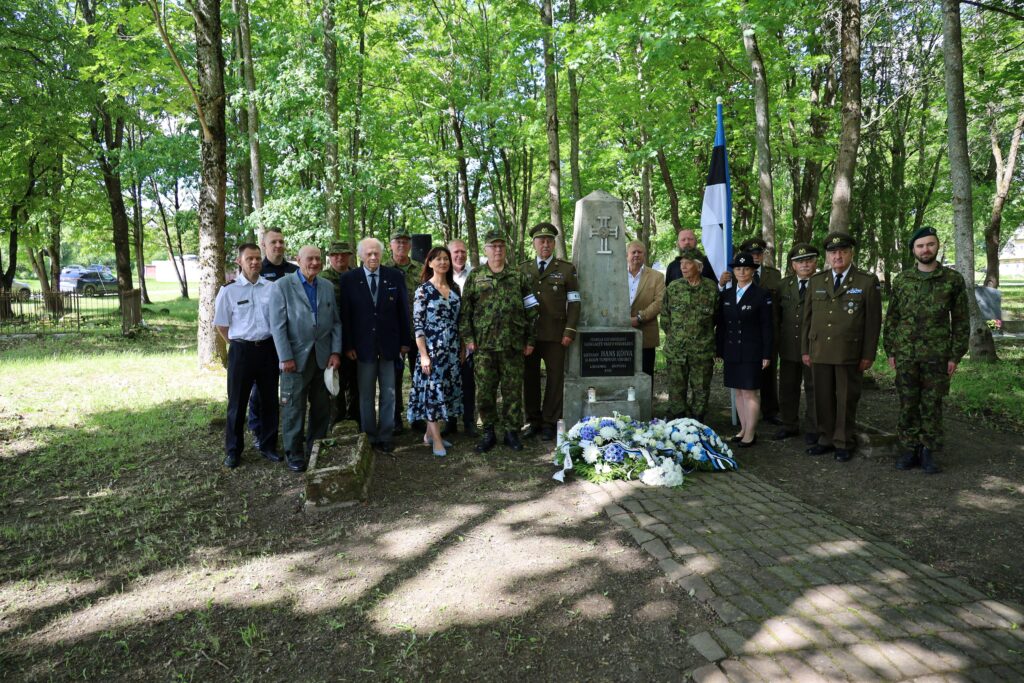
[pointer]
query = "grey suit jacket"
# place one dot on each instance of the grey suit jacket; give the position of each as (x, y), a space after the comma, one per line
(295, 331)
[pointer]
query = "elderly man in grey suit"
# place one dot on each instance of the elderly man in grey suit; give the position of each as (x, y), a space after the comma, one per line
(306, 326)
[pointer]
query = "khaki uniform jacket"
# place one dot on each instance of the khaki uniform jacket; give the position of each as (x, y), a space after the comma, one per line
(841, 328)
(558, 293)
(650, 294)
(770, 279)
(791, 317)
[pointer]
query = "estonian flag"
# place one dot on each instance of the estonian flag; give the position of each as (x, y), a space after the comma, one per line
(716, 214)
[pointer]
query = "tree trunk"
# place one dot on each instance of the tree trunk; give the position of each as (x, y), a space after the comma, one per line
(357, 115)
(213, 183)
(330, 52)
(108, 133)
(646, 219)
(252, 113)
(551, 111)
(135, 190)
(764, 152)
(51, 295)
(670, 190)
(1004, 174)
(468, 202)
(243, 167)
(179, 273)
(574, 121)
(849, 138)
(982, 345)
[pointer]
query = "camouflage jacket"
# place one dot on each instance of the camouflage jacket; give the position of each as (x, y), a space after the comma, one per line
(688, 315)
(334, 276)
(927, 318)
(412, 271)
(499, 310)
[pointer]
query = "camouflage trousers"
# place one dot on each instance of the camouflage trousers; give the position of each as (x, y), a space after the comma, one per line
(689, 384)
(921, 388)
(496, 371)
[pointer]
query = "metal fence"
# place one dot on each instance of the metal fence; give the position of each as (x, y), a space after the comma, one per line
(68, 312)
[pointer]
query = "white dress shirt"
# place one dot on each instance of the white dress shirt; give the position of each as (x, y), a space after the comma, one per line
(460, 277)
(243, 307)
(634, 283)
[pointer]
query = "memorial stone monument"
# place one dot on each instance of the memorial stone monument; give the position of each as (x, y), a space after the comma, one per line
(603, 373)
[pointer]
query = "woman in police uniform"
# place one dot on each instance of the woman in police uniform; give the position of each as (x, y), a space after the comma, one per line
(744, 341)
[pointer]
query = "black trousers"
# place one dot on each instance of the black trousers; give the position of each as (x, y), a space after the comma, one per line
(252, 371)
(346, 403)
(647, 361)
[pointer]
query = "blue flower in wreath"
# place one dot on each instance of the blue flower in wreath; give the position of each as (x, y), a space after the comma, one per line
(614, 453)
(588, 433)
(607, 422)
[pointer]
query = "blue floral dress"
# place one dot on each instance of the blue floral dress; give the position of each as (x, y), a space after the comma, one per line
(437, 396)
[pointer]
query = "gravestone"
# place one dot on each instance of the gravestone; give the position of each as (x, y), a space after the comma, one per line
(990, 301)
(603, 372)
(340, 468)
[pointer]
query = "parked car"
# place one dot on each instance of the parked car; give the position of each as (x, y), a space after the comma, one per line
(20, 291)
(72, 268)
(99, 268)
(88, 283)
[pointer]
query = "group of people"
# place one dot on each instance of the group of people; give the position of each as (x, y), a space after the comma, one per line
(814, 333)
(472, 335)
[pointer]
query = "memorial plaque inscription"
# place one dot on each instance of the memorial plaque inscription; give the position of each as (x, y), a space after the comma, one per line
(607, 354)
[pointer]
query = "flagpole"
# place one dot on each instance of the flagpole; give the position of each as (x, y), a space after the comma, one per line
(727, 233)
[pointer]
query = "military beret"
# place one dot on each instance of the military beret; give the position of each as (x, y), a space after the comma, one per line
(754, 245)
(401, 234)
(691, 254)
(743, 259)
(802, 250)
(544, 230)
(492, 236)
(926, 231)
(839, 240)
(339, 248)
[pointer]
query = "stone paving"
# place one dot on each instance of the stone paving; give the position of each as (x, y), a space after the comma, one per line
(804, 596)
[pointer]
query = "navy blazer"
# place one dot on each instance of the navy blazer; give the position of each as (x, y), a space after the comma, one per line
(745, 330)
(375, 332)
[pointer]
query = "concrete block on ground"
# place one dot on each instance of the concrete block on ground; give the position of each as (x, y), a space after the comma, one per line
(340, 470)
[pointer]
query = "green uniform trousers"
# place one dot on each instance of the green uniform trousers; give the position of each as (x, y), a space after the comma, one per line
(792, 374)
(921, 388)
(836, 395)
(496, 371)
(689, 385)
(553, 355)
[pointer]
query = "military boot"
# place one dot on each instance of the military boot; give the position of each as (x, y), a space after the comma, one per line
(910, 459)
(488, 441)
(928, 463)
(512, 440)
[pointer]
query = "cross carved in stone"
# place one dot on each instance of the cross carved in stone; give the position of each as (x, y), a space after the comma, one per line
(603, 231)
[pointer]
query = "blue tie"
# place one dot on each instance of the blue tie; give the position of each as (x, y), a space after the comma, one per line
(373, 286)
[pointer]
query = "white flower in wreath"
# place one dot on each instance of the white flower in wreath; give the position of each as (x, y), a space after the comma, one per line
(690, 438)
(678, 436)
(598, 440)
(619, 424)
(608, 433)
(591, 454)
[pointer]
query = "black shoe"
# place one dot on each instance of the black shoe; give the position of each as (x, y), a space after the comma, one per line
(818, 449)
(783, 434)
(488, 441)
(928, 463)
(810, 439)
(512, 440)
(843, 455)
(773, 420)
(296, 463)
(531, 430)
(231, 461)
(271, 455)
(747, 444)
(547, 434)
(735, 438)
(910, 459)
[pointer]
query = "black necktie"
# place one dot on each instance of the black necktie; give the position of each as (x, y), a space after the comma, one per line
(542, 266)
(373, 286)
(803, 290)
(757, 277)
(839, 281)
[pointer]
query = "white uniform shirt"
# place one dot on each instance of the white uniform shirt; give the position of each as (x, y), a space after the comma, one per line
(244, 308)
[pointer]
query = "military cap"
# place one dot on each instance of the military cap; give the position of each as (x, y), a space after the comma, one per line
(743, 259)
(339, 248)
(754, 245)
(492, 236)
(803, 250)
(691, 254)
(401, 234)
(544, 230)
(839, 240)
(926, 231)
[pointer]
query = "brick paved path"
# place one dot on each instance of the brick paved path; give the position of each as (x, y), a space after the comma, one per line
(805, 596)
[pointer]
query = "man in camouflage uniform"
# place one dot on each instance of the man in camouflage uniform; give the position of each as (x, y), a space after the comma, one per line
(793, 373)
(688, 315)
(927, 331)
(839, 341)
(401, 246)
(499, 311)
(556, 287)
(767, 277)
(344, 406)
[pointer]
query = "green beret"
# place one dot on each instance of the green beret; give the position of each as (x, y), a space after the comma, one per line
(493, 236)
(754, 245)
(803, 250)
(691, 254)
(401, 234)
(339, 248)
(544, 230)
(926, 231)
(839, 240)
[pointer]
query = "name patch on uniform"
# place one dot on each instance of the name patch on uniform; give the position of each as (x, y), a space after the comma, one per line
(856, 290)
(572, 296)
(245, 301)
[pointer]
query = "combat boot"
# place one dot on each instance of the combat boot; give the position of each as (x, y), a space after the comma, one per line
(488, 441)
(512, 440)
(910, 459)
(928, 463)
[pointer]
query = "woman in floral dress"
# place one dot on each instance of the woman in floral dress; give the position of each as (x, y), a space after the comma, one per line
(436, 386)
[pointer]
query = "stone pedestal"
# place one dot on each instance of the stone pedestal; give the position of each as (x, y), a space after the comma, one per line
(340, 468)
(604, 362)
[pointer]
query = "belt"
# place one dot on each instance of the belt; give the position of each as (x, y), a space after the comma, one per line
(246, 342)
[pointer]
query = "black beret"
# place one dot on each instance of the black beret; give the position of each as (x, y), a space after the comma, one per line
(926, 231)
